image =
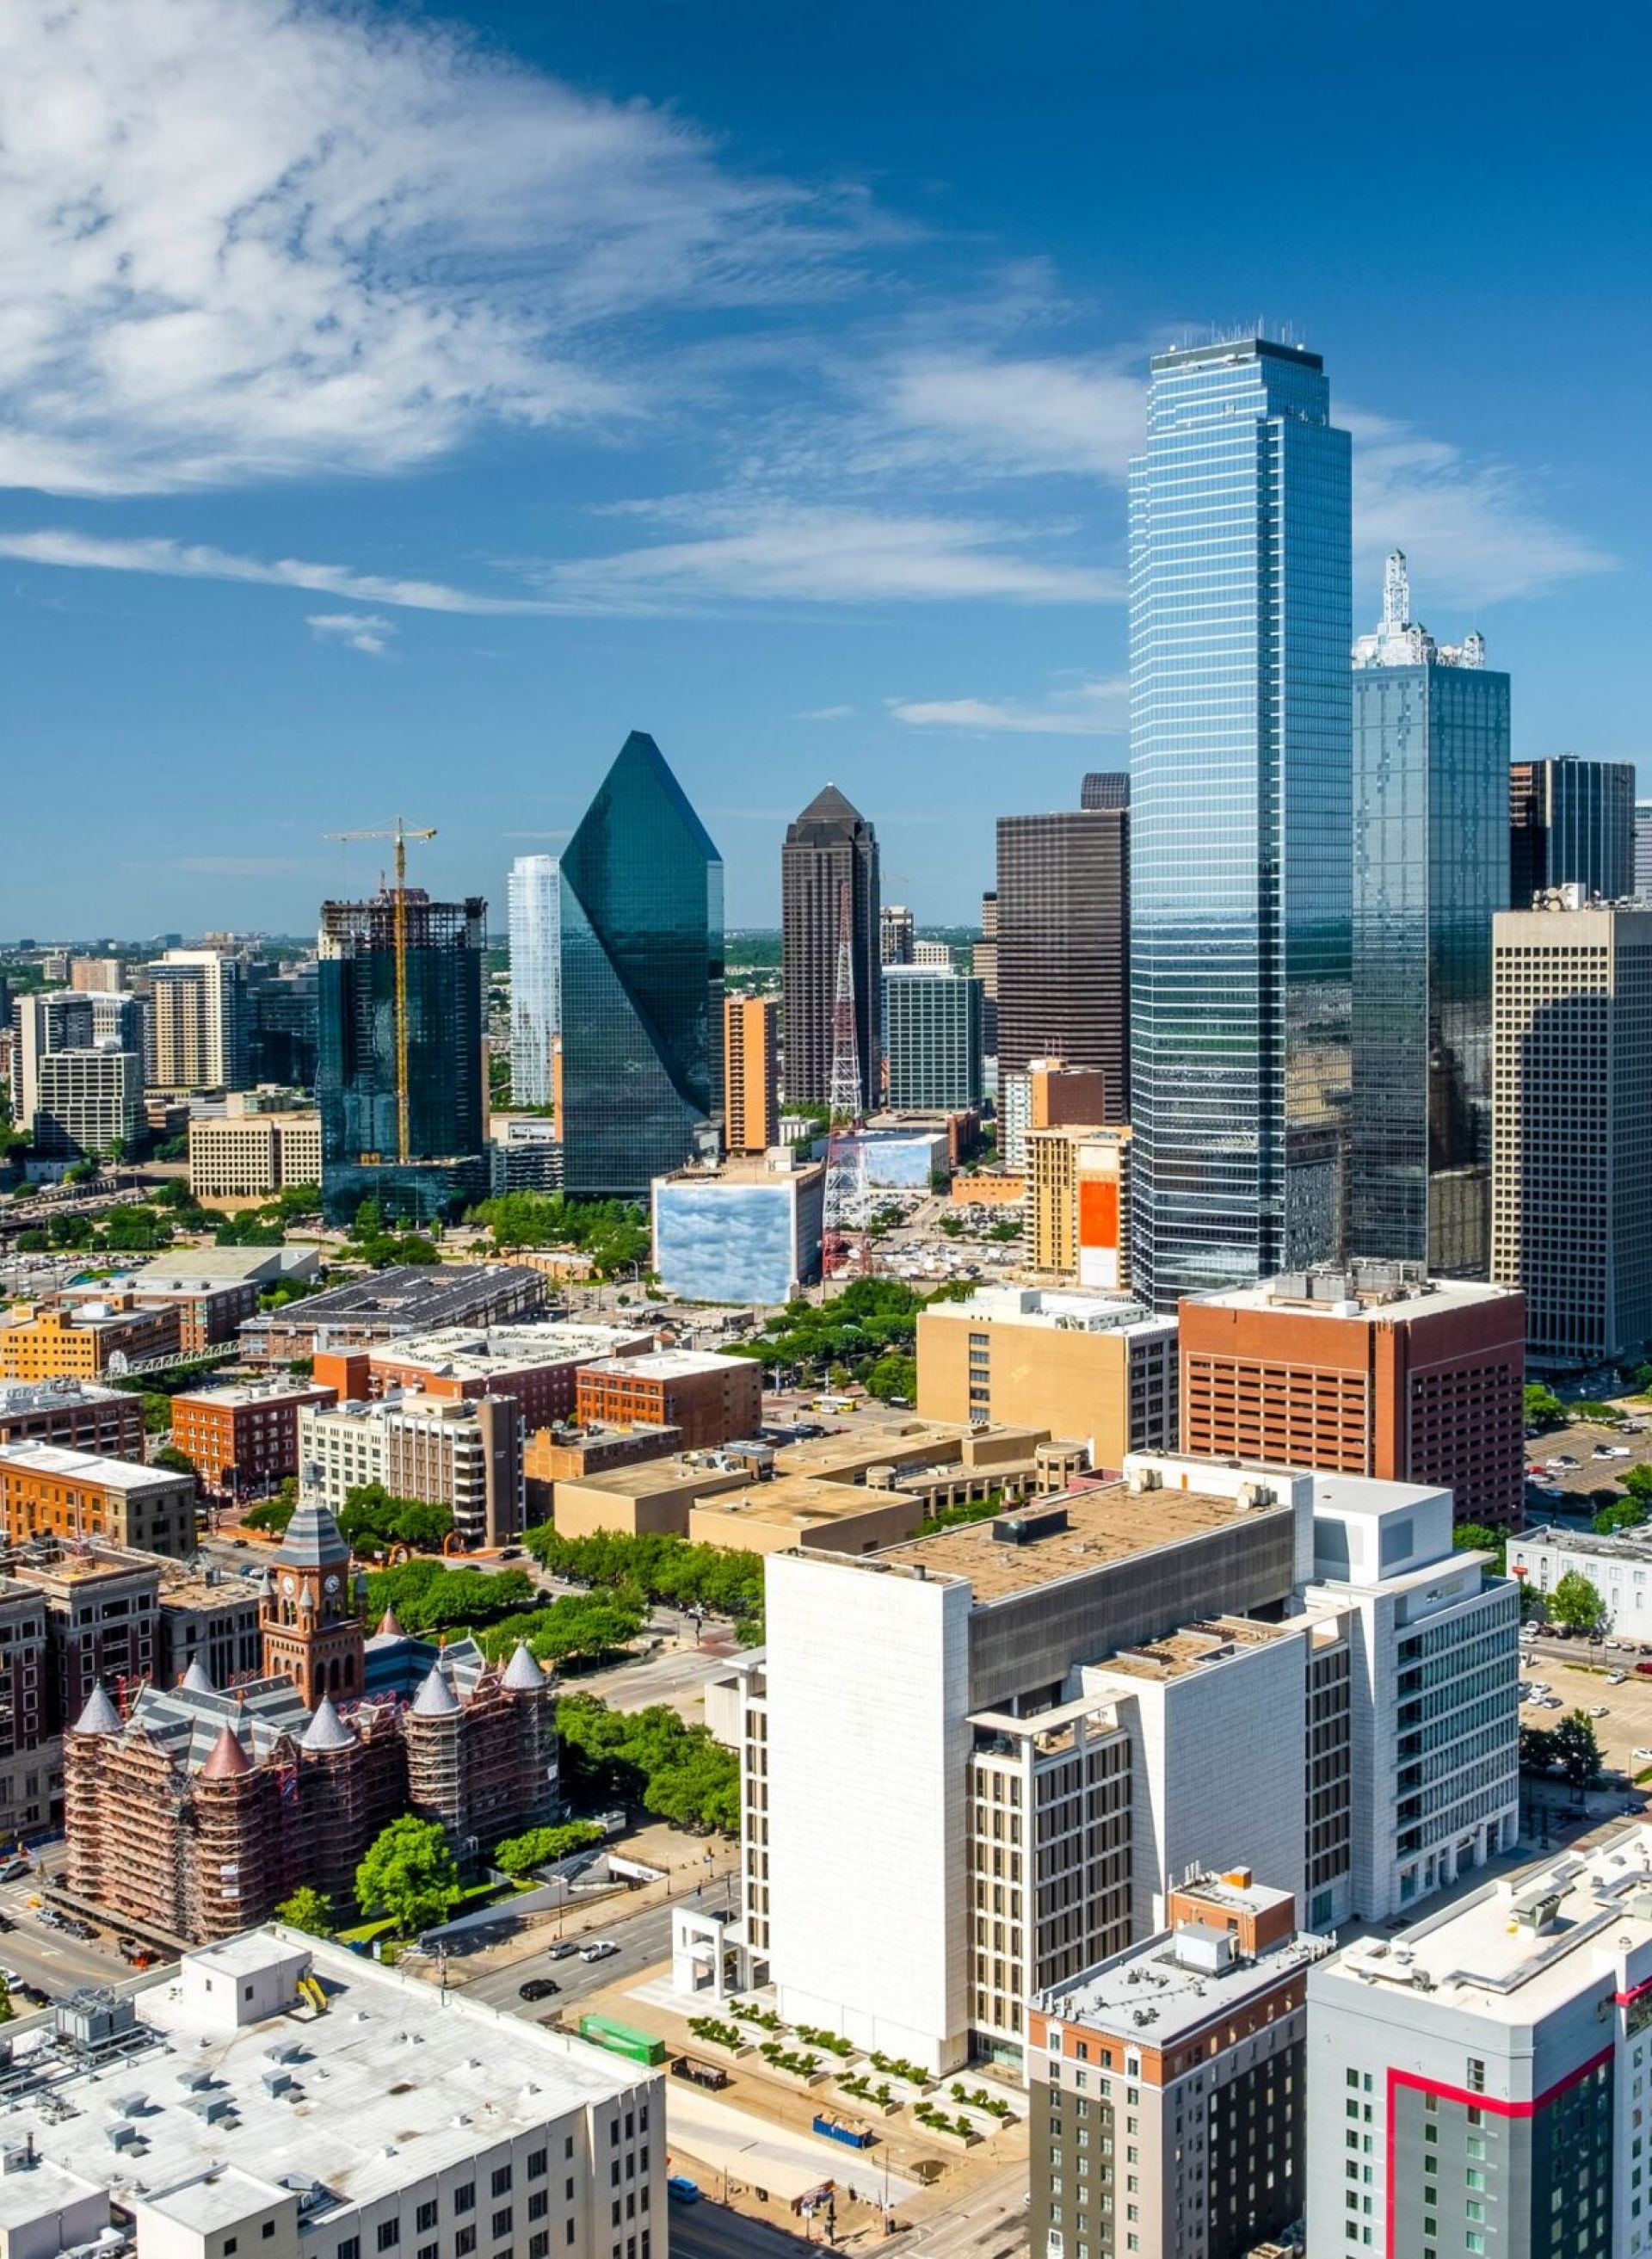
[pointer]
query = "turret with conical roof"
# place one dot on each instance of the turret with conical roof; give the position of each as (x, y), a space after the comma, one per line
(100, 1715)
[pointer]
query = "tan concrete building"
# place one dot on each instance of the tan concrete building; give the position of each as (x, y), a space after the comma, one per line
(464, 1453)
(751, 1073)
(1078, 1206)
(251, 1156)
(652, 1500)
(772, 1517)
(57, 1341)
(556, 1455)
(1372, 1370)
(48, 1492)
(713, 1399)
(1101, 1371)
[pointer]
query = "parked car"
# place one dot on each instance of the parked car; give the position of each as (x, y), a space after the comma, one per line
(1616, 1677)
(12, 1870)
(563, 1948)
(538, 1988)
(600, 1948)
(1599, 1710)
(1641, 1757)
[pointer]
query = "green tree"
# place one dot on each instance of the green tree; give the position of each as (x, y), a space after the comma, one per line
(371, 1517)
(519, 1854)
(270, 1515)
(1576, 1605)
(410, 1874)
(894, 1375)
(1603, 1415)
(1576, 1750)
(649, 1757)
(1475, 1537)
(1638, 1482)
(175, 1461)
(1538, 1751)
(1543, 1407)
(308, 1909)
(1622, 1514)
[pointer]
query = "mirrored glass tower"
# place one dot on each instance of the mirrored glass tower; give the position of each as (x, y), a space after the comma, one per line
(1240, 878)
(1431, 744)
(535, 976)
(642, 983)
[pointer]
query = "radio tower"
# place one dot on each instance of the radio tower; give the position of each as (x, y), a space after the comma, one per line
(845, 1155)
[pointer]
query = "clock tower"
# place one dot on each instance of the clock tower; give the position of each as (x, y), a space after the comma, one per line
(311, 1627)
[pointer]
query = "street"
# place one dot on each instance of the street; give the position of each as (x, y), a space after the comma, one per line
(715, 2231)
(644, 1939)
(56, 1964)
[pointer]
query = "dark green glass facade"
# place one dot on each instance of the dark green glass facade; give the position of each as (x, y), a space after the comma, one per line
(642, 982)
(356, 1087)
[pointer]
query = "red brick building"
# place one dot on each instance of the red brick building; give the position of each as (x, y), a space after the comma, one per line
(711, 1399)
(244, 1440)
(1371, 1371)
(107, 1421)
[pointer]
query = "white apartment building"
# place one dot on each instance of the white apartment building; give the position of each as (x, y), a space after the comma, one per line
(1435, 1644)
(199, 1001)
(1619, 1569)
(89, 1101)
(464, 1453)
(279, 2098)
(1481, 2083)
(1042, 1722)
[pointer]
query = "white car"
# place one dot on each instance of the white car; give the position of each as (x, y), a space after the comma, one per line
(1641, 1757)
(1599, 1710)
(1616, 1677)
(599, 1950)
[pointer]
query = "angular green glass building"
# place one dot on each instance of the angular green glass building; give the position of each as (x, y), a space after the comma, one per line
(445, 1167)
(642, 983)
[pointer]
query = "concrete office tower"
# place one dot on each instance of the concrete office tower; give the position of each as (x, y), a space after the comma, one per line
(896, 937)
(103, 973)
(932, 1038)
(642, 983)
(1077, 1219)
(1240, 818)
(1644, 851)
(1167, 2085)
(1064, 942)
(359, 1078)
(1478, 2084)
(828, 847)
(1571, 823)
(1376, 1370)
(984, 964)
(89, 1102)
(1571, 1173)
(1106, 788)
(751, 1073)
(536, 976)
(1431, 739)
(199, 997)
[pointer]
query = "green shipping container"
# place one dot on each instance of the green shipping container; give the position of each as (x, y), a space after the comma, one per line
(623, 2039)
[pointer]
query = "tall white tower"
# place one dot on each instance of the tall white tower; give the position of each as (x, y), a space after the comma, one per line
(536, 976)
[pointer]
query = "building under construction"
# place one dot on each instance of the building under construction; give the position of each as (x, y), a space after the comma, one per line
(402, 1073)
(198, 1811)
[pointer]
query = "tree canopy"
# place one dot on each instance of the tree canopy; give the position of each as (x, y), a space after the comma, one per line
(409, 1874)
(655, 1568)
(650, 1757)
(372, 1518)
(429, 1596)
(520, 1855)
(308, 1909)
(1576, 1605)
(613, 1233)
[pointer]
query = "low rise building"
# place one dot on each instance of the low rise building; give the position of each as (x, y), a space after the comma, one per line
(1478, 2083)
(712, 1399)
(253, 1157)
(536, 1364)
(245, 2101)
(1167, 2106)
(1373, 1370)
(1619, 1567)
(107, 1421)
(1099, 1369)
(748, 1231)
(408, 1298)
(82, 1340)
(46, 1491)
(242, 1439)
(567, 1453)
(209, 1308)
(464, 1453)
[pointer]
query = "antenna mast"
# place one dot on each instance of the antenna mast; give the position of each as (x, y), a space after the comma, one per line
(845, 1155)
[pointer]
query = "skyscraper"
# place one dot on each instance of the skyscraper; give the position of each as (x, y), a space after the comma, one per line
(896, 941)
(199, 998)
(829, 844)
(536, 976)
(1064, 943)
(642, 982)
(1431, 736)
(932, 1021)
(358, 1075)
(1241, 537)
(1106, 788)
(985, 964)
(1571, 823)
(1572, 1179)
(1643, 851)
(751, 1073)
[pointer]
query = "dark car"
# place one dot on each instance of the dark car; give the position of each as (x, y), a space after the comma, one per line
(538, 1988)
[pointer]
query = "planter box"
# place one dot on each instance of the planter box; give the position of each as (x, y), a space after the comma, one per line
(867, 2105)
(946, 2134)
(788, 2078)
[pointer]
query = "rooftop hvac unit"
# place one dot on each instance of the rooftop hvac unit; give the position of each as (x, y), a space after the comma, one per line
(93, 2016)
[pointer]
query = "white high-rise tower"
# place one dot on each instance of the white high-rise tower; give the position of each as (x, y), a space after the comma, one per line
(536, 976)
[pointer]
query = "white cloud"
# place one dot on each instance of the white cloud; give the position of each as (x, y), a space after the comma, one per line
(199, 561)
(1093, 708)
(830, 553)
(1473, 533)
(363, 631)
(824, 714)
(247, 239)
(1008, 418)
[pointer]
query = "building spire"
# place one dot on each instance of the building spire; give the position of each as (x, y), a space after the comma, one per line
(1395, 592)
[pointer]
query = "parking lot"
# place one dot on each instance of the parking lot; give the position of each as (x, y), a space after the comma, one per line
(1567, 1472)
(1578, 1677)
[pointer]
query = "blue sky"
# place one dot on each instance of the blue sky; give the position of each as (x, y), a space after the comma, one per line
(399, 405)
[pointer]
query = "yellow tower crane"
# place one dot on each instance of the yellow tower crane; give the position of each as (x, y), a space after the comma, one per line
(401, 831)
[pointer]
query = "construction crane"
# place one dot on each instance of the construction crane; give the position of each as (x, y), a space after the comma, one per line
(401, 831)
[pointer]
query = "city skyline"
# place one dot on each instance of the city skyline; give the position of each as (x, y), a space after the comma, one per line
(825, 477)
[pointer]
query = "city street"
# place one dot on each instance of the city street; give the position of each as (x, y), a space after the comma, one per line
(44, 1957)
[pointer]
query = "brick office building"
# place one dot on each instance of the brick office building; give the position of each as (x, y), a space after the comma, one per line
(48, 1492)
(244, 1439)
(107, 1421)
(1375, 1369)
(713, 1399)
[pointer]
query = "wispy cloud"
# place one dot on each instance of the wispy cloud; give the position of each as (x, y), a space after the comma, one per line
(824, 714)
(201, 562)
(763, 550)
(999, 416)
(363, 631)
(1092, 708)
(245, 239)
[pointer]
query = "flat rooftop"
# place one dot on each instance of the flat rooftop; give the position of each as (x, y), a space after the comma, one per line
(670, 1364)
(1054, 1310)
(26, 1457)
(747, 1169)
(1522, 1946)
(395, 2083)
(1111, 1522)
(409, 1297)
(804, 1501)
(1194, 1647)
(1632, 1546)
(49, 1395)
(232, 1395)
(657, 1478)
(1364, 1294)
(465, 1352)
(224, 1265)
(1149, 1996)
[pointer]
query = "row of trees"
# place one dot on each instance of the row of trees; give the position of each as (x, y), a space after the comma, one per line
(852, 1335)
(655, 1569)
(613, 1233)
(428, 1596)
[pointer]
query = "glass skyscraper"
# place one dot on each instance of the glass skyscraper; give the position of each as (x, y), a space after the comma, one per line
(642, 983)
(1240, 619)
(357, 1084)
(536, 976)
(1431, 744)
